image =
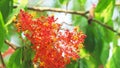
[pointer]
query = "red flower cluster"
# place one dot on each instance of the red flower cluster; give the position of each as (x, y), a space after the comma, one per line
(54, 47)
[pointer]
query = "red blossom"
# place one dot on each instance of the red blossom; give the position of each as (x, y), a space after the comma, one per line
(53, 48)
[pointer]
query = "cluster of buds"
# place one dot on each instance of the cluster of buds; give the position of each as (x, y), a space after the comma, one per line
(53, 48)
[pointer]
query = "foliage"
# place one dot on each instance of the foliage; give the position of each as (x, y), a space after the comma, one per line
(96, 52)
(21, 58)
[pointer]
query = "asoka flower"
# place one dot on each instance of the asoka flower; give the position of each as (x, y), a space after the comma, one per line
(53, 48)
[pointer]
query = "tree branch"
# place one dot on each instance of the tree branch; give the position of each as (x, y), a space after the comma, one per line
(10, 44)
(106, 26)
(1, 58)
(82, 13)
(42, 9)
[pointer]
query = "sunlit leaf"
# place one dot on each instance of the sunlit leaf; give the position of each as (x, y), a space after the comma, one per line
(87, 60)
(114, 61)
(63, 1)
(2, 31)
(104, 10)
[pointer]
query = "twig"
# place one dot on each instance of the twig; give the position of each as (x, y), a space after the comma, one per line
(106, 26)
(42, 9)
(82, 13)
(10, 44)
(1, 58)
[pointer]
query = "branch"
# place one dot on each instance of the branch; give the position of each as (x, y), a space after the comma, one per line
(1, 58)
(82, 13)
(10, 44)
(106, 26)
(42, 9)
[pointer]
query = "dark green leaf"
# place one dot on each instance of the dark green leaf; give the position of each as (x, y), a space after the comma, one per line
(28, 55)
(22, 5)
(6, 8)
(15, 60)
(90, 40)
(2, 31)
(73, 64)
(21, 58)
(97, 42)
(61, 1)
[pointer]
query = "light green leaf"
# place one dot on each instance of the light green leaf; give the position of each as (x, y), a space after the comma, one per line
(2, 31)
(64, 1)
(104, 54)
(104, 10)
(87, 60)
(114, 61)
(79, 4)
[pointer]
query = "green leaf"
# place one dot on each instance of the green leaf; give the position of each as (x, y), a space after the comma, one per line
(104, 54)
(28, 55)
(114, 61)
(63, 1)
(15, 12)
(6, 7)
(81, 22)
(104, 10)
(79, 4)
(90, 40)
(73, 64)
(87, 60)
(21, 58)
(97, 42)
(2, 31)
(15, 60)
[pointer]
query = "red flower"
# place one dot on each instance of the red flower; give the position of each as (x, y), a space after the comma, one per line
(53, 48)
